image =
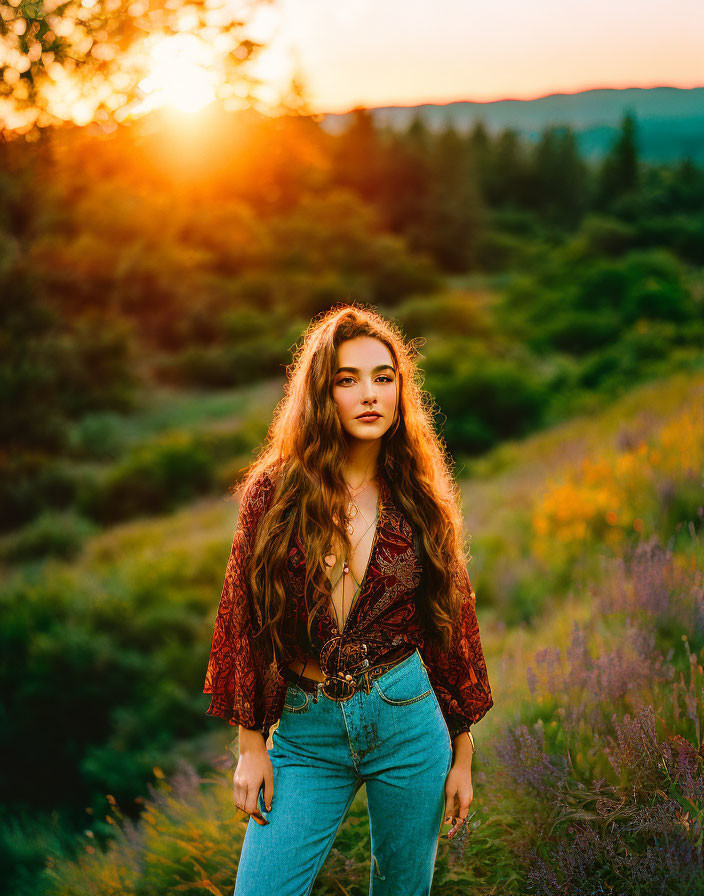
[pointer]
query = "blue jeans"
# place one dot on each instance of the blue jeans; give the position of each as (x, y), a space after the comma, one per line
(395, 740)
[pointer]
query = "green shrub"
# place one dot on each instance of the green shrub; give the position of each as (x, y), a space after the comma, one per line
(577, 332)
(154, 478)
(224, 366)
(633, 357)
(50, 534)
(499, 251)
(484, 399)
(31, 482)
(682, 234)
(603, 235)
(395, 274)
(599, 285)
(109, 668)
(656, 288)
(454, 314)
(100, 436)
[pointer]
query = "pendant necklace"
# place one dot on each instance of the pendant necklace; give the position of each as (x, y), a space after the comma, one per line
(352, 512)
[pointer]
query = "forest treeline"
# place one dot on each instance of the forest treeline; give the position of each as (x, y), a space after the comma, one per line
(134, 259)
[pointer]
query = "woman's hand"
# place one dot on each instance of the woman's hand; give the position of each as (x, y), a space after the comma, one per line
(253, 767)
(459, 792)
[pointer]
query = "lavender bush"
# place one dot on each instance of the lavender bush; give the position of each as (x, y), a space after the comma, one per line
(615, 759)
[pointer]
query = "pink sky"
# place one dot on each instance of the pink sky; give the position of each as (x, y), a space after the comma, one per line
(379, 52)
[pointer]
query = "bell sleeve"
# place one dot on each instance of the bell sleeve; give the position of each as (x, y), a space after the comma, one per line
(458, 676)
(236, 676)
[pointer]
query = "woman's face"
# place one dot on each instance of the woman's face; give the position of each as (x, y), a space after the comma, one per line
(365, 380)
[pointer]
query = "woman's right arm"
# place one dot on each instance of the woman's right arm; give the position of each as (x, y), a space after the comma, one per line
(235, 673)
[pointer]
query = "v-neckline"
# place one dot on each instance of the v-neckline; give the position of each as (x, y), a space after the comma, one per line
(384, 508)
(363, 582)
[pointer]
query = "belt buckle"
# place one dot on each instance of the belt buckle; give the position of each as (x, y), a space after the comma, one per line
(338, 680)
(334, 684)
(359, 679)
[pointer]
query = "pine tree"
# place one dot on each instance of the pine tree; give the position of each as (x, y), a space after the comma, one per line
(620, 170)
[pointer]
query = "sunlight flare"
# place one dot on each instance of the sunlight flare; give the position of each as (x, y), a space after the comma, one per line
(181, 74)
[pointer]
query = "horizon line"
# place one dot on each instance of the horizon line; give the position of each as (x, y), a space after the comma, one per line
(506, 99)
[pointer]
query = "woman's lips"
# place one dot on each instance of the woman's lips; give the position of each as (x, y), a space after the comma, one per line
(369, 418)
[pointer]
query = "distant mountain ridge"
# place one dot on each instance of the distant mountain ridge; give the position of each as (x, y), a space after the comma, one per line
(670, 119)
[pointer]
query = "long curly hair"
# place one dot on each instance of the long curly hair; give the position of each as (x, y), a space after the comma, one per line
(305, 454)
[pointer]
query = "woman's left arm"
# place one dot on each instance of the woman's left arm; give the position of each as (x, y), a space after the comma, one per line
(461, 683)
(458, 675)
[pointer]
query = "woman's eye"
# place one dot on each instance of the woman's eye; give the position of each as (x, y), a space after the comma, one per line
(349, 379)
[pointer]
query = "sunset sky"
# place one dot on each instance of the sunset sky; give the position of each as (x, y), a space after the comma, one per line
(377, 52)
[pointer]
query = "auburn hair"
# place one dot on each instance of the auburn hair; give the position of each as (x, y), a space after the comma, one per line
(305, 454)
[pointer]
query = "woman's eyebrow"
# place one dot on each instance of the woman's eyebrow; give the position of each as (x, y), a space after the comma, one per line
(356, 369)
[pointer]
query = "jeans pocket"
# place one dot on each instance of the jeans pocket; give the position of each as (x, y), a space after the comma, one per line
(296, 700)
(405, 686)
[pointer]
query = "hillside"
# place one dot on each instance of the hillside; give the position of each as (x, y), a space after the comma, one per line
(670, 119)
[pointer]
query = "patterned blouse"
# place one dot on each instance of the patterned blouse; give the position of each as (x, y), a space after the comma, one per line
(248, 690)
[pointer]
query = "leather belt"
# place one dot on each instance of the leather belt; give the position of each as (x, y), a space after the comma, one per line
(360, 680)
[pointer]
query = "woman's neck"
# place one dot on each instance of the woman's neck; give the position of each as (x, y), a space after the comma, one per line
(362, 462)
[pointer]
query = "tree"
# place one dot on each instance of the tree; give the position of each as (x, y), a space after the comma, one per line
(359, 156)
(559, 177)
(408, 177)
(480, 147)
(506, 171)
(87, 60)
(455, 208)
(619, 172)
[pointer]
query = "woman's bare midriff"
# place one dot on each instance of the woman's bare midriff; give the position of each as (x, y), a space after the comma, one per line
(312, 669)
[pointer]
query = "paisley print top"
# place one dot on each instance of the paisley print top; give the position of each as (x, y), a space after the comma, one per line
(248, 689)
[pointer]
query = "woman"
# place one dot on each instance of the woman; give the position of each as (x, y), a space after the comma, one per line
(348, 565)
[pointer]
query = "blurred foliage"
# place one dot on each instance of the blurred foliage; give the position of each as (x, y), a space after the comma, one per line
(75, 61)
(129, 265)
(49, 534)
(485, 398)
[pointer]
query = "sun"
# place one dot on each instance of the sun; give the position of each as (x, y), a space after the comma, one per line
(181, 74)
